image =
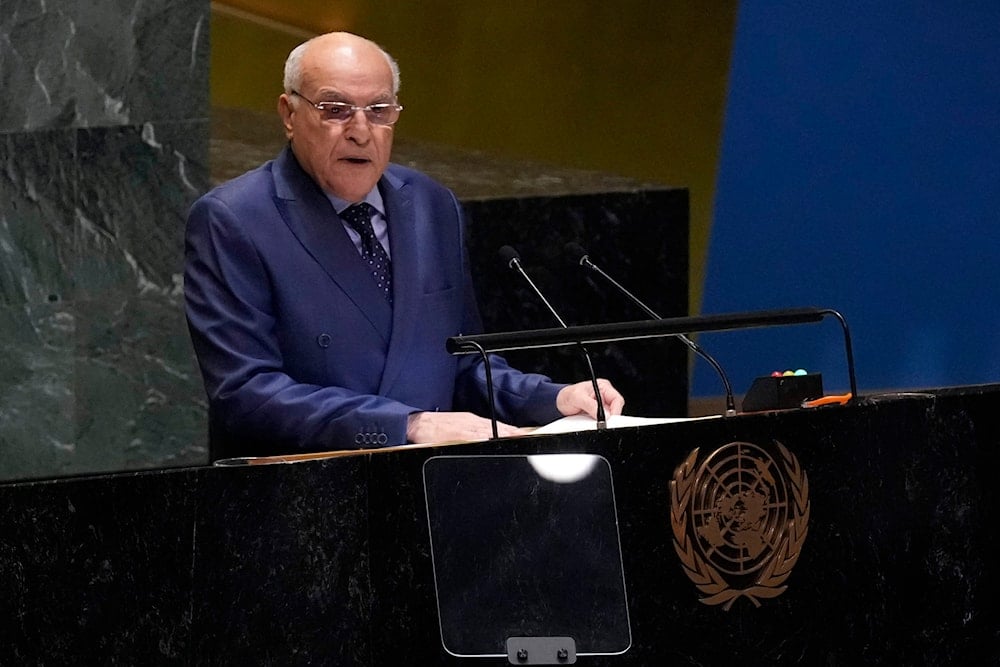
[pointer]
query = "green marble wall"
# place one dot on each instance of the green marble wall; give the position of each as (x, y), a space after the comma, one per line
(103, 147)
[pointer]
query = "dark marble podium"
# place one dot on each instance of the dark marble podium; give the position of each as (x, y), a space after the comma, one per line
(329, 561)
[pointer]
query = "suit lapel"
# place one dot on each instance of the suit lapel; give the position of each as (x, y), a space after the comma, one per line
(403, 241)
(311, 218)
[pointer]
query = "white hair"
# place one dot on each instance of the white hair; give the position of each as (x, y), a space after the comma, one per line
(293, 66)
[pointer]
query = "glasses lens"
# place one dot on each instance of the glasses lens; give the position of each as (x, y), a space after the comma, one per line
(341, 112)
(382, 114)
(338, 112)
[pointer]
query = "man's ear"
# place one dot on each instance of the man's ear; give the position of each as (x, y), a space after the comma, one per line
(285, 111)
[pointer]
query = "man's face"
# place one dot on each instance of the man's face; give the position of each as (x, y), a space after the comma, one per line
(346, 159)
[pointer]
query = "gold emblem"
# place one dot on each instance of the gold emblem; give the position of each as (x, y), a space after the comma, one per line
(739, 521)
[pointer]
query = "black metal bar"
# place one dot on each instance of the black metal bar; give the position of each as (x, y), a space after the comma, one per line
(619, 331)
(623, 331)
(489, 387)
(849, 351)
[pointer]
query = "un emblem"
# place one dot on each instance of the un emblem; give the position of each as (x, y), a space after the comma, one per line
(739, 520)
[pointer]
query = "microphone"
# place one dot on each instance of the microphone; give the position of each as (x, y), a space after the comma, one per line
(512, 259)
(576, 251)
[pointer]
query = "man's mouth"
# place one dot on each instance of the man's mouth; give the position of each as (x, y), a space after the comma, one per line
(356, 160)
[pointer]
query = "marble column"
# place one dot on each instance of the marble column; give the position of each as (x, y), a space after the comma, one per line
(103, 147)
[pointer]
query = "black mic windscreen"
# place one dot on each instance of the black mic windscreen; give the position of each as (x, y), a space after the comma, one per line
(509, 255)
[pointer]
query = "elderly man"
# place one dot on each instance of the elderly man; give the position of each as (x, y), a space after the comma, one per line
(321, 286)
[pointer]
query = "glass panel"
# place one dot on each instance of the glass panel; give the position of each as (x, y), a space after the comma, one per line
(526, 546)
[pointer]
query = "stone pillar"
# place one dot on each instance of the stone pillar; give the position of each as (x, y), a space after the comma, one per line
(103, 147)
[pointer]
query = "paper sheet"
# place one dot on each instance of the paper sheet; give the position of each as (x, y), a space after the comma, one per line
(585, 423)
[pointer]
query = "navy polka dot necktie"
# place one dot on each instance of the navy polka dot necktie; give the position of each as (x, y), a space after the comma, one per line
(359, 216)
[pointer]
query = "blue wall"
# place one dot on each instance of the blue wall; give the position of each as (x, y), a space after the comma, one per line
(860, 171)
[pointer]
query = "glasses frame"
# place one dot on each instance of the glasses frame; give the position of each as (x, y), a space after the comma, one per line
(369, 109)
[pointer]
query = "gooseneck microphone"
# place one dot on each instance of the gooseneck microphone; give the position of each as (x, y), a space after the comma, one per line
(512, 259)
(576, 251)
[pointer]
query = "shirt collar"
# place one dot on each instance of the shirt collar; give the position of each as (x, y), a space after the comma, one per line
(374, 197)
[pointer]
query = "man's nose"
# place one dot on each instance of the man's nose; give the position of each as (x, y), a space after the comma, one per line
(357, 128)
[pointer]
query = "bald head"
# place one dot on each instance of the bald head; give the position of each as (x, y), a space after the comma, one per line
(343, 44)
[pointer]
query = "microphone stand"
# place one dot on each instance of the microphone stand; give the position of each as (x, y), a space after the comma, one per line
(513, 261)
(576, 249)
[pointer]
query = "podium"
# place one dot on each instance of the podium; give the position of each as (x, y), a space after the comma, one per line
(341, 560)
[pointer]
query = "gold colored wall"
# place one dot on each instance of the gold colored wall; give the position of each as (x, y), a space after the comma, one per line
(635, 88)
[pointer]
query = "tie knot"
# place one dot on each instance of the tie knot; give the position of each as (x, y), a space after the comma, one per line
(359, 216)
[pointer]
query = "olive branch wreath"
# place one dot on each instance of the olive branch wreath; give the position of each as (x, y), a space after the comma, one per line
(770, 582)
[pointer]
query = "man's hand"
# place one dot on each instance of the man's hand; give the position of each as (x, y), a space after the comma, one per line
(446, 426)
(579, 399)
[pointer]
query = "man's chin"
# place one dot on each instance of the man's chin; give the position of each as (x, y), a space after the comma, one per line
(351, 189)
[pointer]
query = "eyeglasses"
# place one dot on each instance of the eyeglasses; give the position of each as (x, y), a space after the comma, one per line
(341, 112)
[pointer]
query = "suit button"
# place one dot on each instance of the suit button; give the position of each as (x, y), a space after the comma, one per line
(323, 340)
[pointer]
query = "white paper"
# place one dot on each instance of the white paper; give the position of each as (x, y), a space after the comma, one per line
(585, 423)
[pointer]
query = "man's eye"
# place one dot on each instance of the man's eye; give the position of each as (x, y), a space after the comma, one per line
(334, 111)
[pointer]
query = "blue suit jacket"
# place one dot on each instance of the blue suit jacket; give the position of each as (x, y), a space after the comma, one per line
(298, 349)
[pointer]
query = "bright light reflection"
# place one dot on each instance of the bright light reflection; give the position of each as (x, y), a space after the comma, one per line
(563, 468)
